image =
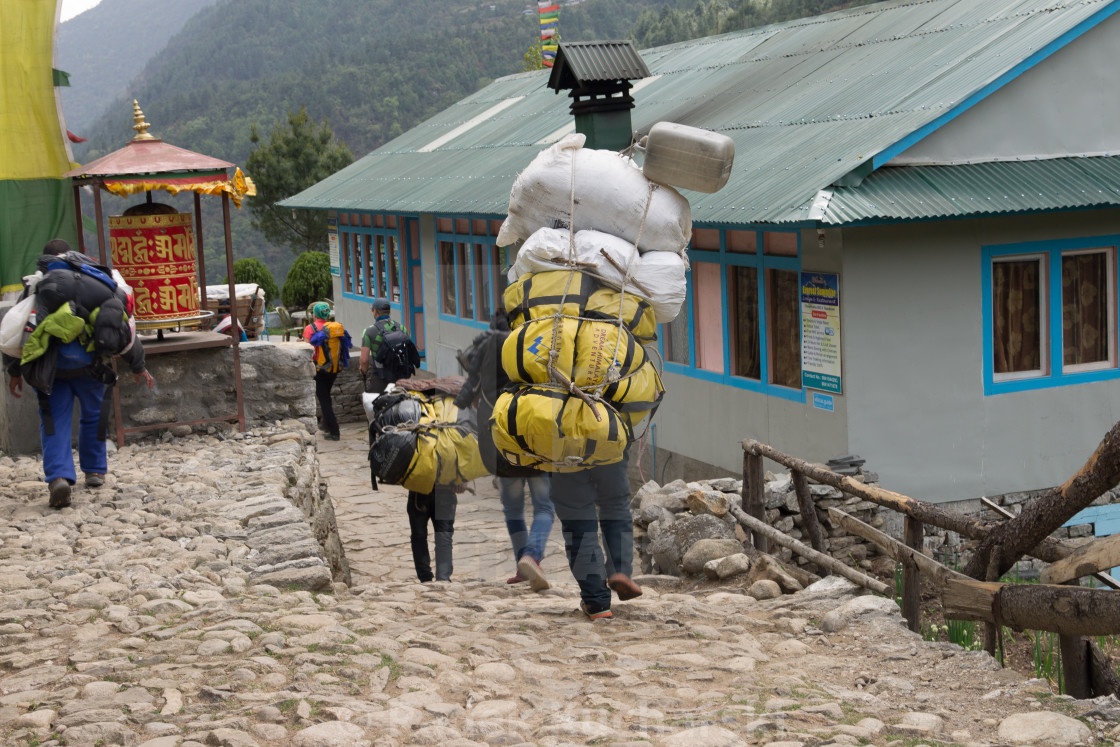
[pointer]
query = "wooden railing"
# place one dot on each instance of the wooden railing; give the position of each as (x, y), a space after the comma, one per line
(1071, 611)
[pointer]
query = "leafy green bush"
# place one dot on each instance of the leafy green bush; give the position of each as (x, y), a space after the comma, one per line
(251, 270)
(309, 280)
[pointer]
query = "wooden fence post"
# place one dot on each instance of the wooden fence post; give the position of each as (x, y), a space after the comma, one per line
(914, 534)
(808, 511)
(754, 490)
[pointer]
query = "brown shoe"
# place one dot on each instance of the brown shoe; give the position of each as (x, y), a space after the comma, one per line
(94, 480)
(60, 492)
(624, 586)
(531, 570)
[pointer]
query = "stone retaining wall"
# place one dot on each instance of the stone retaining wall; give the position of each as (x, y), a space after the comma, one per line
(670, 520)
(276, 377)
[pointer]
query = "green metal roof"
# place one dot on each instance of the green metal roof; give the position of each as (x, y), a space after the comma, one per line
(924, 192)
(806, 103)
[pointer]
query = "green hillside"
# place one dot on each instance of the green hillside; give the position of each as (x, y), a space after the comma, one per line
(104, 47)
(371, 68)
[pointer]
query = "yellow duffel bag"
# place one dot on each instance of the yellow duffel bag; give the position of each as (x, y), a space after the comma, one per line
(442, 449)
(538, 295)
(586, 350)
(553, 431)
(636, 395)
(637, 314)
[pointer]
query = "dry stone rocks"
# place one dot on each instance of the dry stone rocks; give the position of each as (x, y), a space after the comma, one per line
(842, 616)
(728, 567)
(672, 542)
(1043, 728)
(702, 551)
(657, 507)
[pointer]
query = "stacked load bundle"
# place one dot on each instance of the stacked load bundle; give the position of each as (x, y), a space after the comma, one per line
(601, 264)
(421, 440)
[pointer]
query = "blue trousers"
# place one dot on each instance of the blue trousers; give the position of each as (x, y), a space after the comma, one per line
(601, 493)
(58, 456)
(525, 540)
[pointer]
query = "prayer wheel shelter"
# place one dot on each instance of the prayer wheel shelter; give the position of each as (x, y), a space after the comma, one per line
(914, 259)
(154, 247)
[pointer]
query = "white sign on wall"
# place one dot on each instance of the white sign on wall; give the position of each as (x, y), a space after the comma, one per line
(332, 243)
(820, 331)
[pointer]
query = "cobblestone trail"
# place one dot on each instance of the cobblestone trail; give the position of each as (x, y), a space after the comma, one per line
(161, 610)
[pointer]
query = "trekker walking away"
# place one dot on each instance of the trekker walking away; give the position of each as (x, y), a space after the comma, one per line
(388, 352)
(331, 354)
(438, 507)
(580, 497)
(486, 379)
(81, 318)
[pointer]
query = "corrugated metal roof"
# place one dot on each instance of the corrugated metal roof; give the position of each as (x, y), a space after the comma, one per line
(923, 192)
(806, 102)
(579, 63)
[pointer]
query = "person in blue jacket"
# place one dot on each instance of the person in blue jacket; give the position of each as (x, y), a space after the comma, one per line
(76, 374)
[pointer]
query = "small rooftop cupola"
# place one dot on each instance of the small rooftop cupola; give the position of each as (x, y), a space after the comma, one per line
(597, 75)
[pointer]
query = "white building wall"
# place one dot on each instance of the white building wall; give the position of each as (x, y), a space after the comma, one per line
(1065, 106)
(913, 345)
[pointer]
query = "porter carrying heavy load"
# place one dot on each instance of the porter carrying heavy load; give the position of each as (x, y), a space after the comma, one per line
(423, 440)
(585, 378)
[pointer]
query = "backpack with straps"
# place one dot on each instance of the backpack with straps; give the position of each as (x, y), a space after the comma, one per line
(332, 347)
(397, 356)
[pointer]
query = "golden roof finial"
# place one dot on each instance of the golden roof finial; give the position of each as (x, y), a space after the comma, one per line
(141, 126)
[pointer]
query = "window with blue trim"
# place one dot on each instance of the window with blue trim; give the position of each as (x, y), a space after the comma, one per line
(1050, 314)
(741, 322)
(369, 245)
(472, 268)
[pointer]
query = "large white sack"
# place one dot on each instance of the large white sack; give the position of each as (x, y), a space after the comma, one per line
(549, 248)
(610, 196)
(661, 275)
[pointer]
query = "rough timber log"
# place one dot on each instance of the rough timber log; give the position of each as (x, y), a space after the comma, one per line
(895, 550)
(966, 526)
(824, 561)
(1066, 610)
(1102, 676)
(1017, 536)
(1086, 560)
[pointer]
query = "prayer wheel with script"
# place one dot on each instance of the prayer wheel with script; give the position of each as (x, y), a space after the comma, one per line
(152, 247)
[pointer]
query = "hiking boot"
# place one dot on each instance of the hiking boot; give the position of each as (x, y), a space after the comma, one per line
(60, 492)
(531, 570)
(600, 615)
(624, 586)
(94, 480)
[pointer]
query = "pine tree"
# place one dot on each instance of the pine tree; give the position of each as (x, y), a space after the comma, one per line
(297, 155)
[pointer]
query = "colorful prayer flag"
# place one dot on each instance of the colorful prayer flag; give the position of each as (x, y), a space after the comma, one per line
(549, 11)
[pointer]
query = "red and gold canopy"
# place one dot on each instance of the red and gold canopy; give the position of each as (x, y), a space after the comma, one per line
(147, 163)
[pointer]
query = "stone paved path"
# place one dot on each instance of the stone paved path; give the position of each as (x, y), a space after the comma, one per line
(164, 610)
(374, 527)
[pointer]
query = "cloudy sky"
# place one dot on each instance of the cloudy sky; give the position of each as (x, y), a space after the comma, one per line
(71, 8)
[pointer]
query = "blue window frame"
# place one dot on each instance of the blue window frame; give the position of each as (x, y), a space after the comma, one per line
(741, 321)
(472, 268)
(1049, 313)
(370, 255)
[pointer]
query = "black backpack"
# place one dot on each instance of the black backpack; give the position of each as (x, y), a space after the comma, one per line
(397, 356)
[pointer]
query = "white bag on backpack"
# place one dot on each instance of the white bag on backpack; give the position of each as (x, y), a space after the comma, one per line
(611, 195)
(12, 327)
(658, 277)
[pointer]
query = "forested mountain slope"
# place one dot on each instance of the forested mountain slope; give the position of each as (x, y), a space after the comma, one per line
(105, 47)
